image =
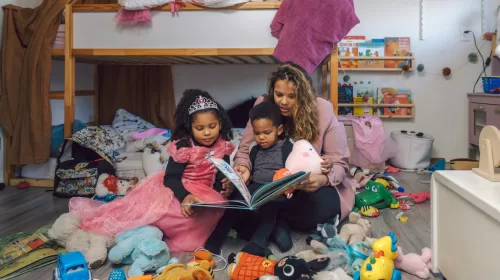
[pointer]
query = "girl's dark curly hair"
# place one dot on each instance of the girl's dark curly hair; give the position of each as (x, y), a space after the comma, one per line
(183, 119)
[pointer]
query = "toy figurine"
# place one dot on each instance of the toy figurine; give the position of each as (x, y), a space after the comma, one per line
(376, 195)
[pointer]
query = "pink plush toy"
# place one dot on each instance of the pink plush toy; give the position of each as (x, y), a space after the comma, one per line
(302, 158)
(415, 264)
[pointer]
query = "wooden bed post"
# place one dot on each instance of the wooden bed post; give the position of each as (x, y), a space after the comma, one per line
(324, 77)
(69, 73)
(334, 77)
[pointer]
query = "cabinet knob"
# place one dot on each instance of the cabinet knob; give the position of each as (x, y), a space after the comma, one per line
(480, 108)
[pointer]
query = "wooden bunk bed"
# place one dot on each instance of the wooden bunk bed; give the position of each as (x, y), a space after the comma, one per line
(91, 36)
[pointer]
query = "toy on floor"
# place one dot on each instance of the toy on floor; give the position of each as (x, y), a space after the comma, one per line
(368, 211)
(253, 264)
(67, 233)
(355, 230)
(204, 255)
(303, 157)
(381, 265)
(414, 264)
(109, 186)
(325, 231)
(359, 178)
(402, 217)
(71, 266)
(182, 272)
(143, 248)
(388, 181)
(376, 195)
(413, 197)
(117, 274)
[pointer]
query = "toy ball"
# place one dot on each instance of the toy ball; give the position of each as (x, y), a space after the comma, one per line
(366, 98)
(406, 68)
(472, 57)
(446, 71)
(347, 78)
(420, 67)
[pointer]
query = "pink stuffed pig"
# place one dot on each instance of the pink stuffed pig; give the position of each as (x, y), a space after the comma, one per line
(414, 264)
(303, 158)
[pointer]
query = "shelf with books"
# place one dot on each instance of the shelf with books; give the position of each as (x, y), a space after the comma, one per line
(407, 59)
(377, 105)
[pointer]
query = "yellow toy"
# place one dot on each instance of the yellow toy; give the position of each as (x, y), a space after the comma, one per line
(381, 266)
(193, 271)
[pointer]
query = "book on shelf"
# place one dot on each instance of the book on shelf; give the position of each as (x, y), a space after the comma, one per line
(261, 196)
(364, 93)
(397, 46)
(349, 47)
(371, 49)
(395, 96)
(345, 96)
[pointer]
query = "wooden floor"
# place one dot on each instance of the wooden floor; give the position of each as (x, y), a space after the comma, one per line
(29, 209)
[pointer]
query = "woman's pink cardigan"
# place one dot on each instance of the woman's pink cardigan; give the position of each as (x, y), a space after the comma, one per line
(332, 143)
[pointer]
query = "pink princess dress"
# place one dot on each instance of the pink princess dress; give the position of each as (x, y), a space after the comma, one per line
(151, 203)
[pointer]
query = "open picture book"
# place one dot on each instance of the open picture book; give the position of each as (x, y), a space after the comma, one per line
(261, 196)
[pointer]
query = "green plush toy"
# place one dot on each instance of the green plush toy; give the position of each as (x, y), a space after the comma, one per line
(376, 195)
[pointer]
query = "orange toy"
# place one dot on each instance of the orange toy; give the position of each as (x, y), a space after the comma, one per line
(280, 174)
(204, 255)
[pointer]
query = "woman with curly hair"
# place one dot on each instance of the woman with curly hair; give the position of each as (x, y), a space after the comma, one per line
(307, 117)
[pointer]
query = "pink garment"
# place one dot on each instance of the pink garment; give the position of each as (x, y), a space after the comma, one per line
(153, 203)
(332, 143)
(308, 29)
(372, 144)
(132, 17)
(150, 132)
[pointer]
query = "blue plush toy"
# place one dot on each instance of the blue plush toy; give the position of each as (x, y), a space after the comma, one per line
(141, 247)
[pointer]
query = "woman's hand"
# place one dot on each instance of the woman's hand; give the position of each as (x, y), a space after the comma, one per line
(244, 172)
(227, 188)
(326, 165)
(187, 210)
(314, 182)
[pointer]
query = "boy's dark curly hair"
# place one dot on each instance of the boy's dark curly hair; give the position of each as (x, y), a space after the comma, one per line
(183, 120)
(267, 110)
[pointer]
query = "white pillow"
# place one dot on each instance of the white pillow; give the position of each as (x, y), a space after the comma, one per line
(127, 124)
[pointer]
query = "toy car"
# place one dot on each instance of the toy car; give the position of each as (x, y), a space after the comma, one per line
(72, 266)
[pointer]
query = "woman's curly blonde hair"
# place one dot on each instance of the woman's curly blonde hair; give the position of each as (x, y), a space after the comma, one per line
(305, 112)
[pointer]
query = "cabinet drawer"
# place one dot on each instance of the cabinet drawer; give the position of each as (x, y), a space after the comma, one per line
(481, 115)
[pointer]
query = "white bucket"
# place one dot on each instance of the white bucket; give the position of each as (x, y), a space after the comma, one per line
(415, 149)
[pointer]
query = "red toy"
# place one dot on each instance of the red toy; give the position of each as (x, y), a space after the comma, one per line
(420, 197)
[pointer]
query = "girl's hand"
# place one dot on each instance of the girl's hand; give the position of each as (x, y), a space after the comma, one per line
(227, 188)
(187, 210)
(244, 172)
(326, 165)
(314, 182)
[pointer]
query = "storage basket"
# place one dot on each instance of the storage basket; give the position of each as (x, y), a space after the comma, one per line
(415, 149)
(463, 164)
(491, 83)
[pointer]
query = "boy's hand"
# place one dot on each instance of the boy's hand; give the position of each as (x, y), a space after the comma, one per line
(187, 210)
(227, 188)
(326, 165)
(243, 171)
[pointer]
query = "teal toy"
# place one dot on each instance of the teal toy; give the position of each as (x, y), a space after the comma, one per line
(376, 195)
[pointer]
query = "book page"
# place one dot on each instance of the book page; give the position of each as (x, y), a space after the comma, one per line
(233, 176)
(270, 191)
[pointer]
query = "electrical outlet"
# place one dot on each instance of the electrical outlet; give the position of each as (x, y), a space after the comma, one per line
(465, 37)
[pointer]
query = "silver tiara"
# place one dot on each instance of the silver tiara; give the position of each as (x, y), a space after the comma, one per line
(202, 103)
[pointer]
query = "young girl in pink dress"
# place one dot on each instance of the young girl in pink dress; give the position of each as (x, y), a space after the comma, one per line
(203, 130)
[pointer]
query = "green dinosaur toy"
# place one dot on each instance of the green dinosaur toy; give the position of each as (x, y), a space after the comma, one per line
(376, 195)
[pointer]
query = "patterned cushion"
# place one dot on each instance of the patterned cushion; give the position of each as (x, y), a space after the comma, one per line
(118, 142)
(127, 124)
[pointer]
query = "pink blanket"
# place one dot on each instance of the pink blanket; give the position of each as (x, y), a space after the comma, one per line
(308, 29)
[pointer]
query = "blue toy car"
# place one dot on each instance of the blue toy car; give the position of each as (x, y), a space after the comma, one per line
(72, 266)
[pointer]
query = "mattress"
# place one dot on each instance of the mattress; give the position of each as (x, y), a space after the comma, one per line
(130, 166)
(44, 170)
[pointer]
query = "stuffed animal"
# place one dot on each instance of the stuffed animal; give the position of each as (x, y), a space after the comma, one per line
(155, 159)
(247, 266)
(109, 186)
(415, 264)
(67, 233)
(336, 274)
(325, 231)
(302, 158)
(189, 272)
(356, 230)
(143, 248)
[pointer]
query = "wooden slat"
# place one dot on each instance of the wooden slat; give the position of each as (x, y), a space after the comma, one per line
(60, 94)
(57, 52)
(324, 77)
(69, 73)
(334, 77)
(41, 183)
(493, 45)
(188, 7)
(396, 117)
(376, 69)
(8, 170)
(173, 52)
(377, 105)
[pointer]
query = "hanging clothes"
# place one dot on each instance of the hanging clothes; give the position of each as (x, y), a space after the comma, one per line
(308, 29)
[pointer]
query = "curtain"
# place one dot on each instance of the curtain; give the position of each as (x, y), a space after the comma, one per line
(25, 79)
(143, 90)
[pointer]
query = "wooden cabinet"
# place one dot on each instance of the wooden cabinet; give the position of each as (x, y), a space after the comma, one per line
(484, 109)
